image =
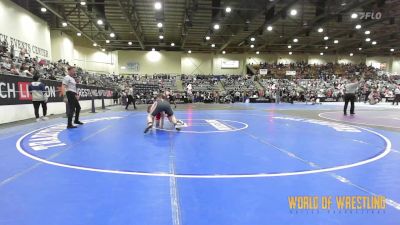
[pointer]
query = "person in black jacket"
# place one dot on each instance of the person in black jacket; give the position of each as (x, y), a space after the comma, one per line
(116, 96)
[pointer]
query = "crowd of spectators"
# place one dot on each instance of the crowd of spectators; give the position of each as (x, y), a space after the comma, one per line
(309, 82)
(318, 71)
(238, 83)
(24, 65)
(334, 89)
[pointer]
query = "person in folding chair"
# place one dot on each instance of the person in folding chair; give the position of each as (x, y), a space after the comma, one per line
(161, 104)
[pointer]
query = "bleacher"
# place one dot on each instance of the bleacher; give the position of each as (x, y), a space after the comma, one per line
(239, 84)
(202, 83)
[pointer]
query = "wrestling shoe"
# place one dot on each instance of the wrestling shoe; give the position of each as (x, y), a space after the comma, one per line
(149, 126)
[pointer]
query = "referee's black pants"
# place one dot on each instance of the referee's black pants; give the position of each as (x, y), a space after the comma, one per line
(74, 107)
(349, 97)
(130, 100)
(396, 99)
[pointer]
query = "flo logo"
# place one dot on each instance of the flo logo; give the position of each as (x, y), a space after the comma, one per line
(370, 15)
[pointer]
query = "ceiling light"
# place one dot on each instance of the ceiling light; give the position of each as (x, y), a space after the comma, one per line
(161, 37)
(320, 30)
(351, 54)
(83, 3)
(172, 44)
(94, 44)
(100, 22)
(359, 49)
(290, 53)
(293, 12)
(223, 52)
(157, 5)
(251, 46)
(289, 46)
(212, 45)
(374, 42)
(252, 39)
(335, 41)
(43, 9)
(326, 38)
(257, 52)
(130, 43)
(321, 53)
(112, 35)
(326, 47)
(189, 51)
(367, 39)
(79, 34)
(367, 32)
(207, 38)
(159, 25)
(216, 26)
(392, 49)
(295, 40)
(358, 26)
(354, 16)
(107, 41)
(269, 28)
(153, 49)
(64, 24)
(228, 9)
(103, 49)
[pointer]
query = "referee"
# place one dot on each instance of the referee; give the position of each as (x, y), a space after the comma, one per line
(131, 99)
(69, 85)
(350, 95)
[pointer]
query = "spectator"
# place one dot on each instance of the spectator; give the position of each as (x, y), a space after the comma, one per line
(38, 92)
(397, 95)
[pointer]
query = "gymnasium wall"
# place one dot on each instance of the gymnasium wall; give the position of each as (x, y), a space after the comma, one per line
(24, 29)
(217, 61)
(396, 66)
(150, 62)
(285, 59)
(94, 60)
(91, 59)
(62, 46)
(201, 63)
(318, 59)
(210, 63)
(257, 59)
(346, 59)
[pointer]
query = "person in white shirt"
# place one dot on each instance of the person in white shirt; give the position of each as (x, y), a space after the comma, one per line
(189, 89)
(69, 85)
(397, 95)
